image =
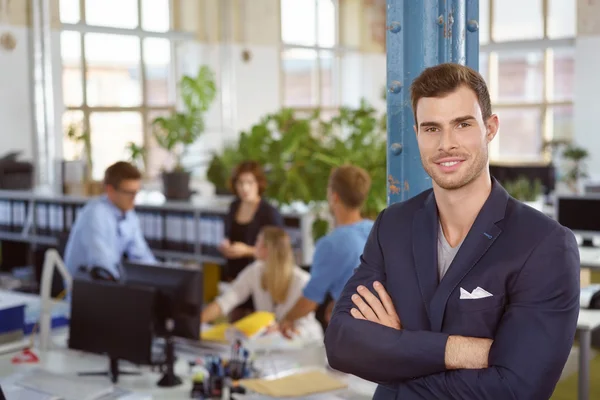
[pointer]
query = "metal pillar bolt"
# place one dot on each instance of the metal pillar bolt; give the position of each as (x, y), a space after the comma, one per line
(420, 34)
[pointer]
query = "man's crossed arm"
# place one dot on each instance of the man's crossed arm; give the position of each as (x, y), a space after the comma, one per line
(460, 353)
(526, 358)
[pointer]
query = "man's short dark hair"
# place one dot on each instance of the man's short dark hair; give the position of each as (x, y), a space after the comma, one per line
(351, 184)
(443, 79)
(119, 172)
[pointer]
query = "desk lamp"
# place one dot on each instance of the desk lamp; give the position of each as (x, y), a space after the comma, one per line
(52, 259)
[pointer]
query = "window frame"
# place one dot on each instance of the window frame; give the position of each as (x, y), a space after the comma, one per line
(337, 52)
(547, 46)
(144, 109)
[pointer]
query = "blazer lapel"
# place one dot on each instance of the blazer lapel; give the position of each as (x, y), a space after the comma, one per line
(424, 233)
(480, 238)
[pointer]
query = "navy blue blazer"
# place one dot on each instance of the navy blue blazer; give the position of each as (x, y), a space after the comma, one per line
(526, 260)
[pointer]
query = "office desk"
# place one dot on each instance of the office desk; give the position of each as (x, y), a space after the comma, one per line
(588, 321)
(589, 257)
(64, 361)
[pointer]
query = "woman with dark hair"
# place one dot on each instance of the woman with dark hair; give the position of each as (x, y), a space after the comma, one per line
(247, 215)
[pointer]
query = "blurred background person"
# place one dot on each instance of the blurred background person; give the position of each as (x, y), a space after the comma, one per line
(273, 281)
(107, 228)
(247, 214)
(338, 253)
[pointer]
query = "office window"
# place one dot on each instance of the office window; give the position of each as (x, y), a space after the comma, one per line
(310, 54)
(527, 59)
(117, 75)
(517, 20)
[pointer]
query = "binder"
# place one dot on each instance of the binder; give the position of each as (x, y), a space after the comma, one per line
(5, 220)
(19, 215)
(191, 233)
(174, 231)
(144, 226)
(69, 216)
(157, 223)
(41, 220)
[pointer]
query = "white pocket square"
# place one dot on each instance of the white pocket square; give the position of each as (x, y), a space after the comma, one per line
(478, 293)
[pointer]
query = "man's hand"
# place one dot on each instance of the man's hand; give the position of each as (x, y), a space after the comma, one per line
(370, 308)
(287, 329)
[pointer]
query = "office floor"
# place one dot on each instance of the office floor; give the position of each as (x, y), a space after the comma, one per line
(567, 387)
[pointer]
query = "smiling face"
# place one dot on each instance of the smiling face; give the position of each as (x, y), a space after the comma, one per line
(453, 138)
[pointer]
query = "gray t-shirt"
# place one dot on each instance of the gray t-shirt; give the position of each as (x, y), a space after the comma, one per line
(446, 253)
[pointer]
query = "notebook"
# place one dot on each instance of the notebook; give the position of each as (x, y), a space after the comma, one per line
(63, 386)
(295, 385)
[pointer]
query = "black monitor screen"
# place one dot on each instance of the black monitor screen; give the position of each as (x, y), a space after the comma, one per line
(112, 319)
(580, 214)
(179, 294)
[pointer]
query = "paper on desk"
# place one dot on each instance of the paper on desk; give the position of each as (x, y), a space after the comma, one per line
(295, 385)
(274, 341)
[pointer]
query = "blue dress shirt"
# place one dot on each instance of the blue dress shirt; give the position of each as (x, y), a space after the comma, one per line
(336, 257)
(102, 235)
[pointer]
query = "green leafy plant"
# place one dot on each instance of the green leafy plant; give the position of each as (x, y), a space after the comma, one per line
(299, 152)
(523, 189)
(576, 168)
(178, 131)
(137, 154)
(80, 136)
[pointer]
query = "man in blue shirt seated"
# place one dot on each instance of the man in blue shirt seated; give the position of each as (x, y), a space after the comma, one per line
(337, 254)
(107, 228)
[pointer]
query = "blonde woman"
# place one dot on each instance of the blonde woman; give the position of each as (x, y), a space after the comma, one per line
(274, 282)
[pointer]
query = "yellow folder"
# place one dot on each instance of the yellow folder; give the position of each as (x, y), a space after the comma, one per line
(248, 326)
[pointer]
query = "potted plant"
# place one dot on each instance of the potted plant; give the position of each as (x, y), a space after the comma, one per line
(576, 170)
(220, 168)
(298, 154)
(526, 191)
(137, 154)
(80, 137)
(181, 129)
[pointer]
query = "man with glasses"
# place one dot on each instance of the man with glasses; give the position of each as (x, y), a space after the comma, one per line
(107, 228)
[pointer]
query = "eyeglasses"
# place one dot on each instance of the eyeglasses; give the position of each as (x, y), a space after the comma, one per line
(129, 193)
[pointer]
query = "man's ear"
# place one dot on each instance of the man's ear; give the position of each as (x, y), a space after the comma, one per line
(492, 125)
(415, 129)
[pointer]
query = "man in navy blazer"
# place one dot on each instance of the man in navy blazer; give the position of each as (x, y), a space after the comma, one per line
(462, 291)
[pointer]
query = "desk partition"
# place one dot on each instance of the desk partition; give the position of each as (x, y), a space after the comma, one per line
(174, 230)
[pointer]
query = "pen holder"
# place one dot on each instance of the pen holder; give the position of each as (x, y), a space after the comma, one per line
(236, 369)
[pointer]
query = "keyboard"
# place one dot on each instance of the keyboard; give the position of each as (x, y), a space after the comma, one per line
(63, 386)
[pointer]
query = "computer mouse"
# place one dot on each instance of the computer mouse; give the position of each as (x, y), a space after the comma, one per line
(101, 274)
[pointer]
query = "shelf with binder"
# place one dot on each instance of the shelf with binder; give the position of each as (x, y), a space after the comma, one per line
(173, 230)
(212, 232)
(13, 215)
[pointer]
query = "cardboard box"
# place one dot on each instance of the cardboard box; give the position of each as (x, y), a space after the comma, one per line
(585, 276)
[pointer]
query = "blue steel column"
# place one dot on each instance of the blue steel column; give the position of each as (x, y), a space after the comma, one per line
(420, 34)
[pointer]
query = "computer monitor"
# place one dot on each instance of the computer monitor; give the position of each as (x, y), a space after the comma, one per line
(112, 319)
(179, 295)
(592, 188)
(507, 173)
(581, 214)
(177, 308)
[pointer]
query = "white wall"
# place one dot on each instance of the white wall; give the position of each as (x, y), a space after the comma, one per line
(587, 83)
(16, 120)
(587, 100)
